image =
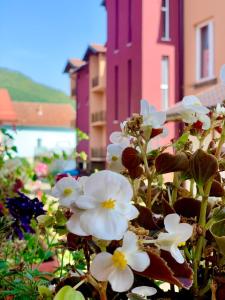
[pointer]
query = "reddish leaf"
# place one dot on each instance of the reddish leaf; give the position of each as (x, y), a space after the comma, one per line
(181, 271)
(145, 218)
(160, 270)
(166, 163)
(130, 158)
(203, 166)
(216, 189)
(189, 207)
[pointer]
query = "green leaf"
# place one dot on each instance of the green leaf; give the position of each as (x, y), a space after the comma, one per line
(179, 144)
(218, 232)
(44, 291)
(68, 293)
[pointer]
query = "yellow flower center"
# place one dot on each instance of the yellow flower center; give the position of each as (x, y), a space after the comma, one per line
(119, 260)
(109, 204)
(181, 244)
(67, 192)
(114, 158)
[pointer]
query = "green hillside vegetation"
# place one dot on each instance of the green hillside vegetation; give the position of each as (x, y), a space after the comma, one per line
(23, 88)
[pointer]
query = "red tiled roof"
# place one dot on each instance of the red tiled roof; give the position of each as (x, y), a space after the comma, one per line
(94, 49)
(98, 48)
(7, 111)
(44, 114)
(74, 64)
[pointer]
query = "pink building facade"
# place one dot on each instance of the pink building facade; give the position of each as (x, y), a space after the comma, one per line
(78, 71)
(144, 57)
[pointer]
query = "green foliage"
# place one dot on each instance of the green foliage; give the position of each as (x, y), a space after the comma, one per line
(22, 88)
(68, 293)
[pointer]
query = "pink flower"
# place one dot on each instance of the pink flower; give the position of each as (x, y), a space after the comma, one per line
(41, 169)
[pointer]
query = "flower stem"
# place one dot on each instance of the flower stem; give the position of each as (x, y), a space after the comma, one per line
(176, 183)
(147, 171)
(202, 219)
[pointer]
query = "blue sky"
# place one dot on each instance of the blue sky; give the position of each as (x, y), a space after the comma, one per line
(37, 36)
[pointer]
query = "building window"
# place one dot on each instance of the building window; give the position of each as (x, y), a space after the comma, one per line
(165, 20)
(129, 87)
(164, 82)
(204, 51)
(116, 91)
(129, 21)
(116, 24)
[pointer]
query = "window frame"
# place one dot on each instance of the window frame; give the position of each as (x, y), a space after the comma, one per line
(166, 9)
(198, 28)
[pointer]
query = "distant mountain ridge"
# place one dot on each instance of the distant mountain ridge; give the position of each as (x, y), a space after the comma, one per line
(23, 88)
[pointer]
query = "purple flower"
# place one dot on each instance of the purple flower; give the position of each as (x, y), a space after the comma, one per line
(23, 210)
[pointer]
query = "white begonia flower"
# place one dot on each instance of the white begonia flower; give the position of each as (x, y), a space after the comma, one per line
(222, 74)
(194, 111)
(206, 122)
(10, 166)
(106, 205)
(113, 157)
(120, 137)
(220, 110)
(177, 234)
(144, 291)
(151, 116)
(68, 189)
(116, 267)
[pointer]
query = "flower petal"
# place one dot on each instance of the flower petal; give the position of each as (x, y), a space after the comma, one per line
(176, 254)
(129, 242)
(185, 232)
(144, 291)
(102, 266)
(128, 210)
(106, 184)
(86, 202)
(171, 222)
(138, 261)
(73, 225)
(104, 224)
(121, 280)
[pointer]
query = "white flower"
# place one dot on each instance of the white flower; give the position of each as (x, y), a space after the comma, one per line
(120, 137)
(151, 116)
(192, 103)
(222, 74)
(177, 234)
(194, 111)
(68, 189)
(113, 157)
(220, 110)
(105, 206)
(10, 166)
(144, 291)
(116, 267)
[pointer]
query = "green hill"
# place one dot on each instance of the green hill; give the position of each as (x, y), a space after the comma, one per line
(23, 88)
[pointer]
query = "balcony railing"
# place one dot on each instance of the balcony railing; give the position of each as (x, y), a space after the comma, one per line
(98, 153)
(95, 81)
(98, 116)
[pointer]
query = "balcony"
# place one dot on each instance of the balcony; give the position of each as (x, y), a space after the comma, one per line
(73, 92)
(98, 118)
(98, 84)
(98, 154)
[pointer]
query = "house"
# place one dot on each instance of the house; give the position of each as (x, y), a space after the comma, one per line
(88, 87)
(144, 57)
(38, 127)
